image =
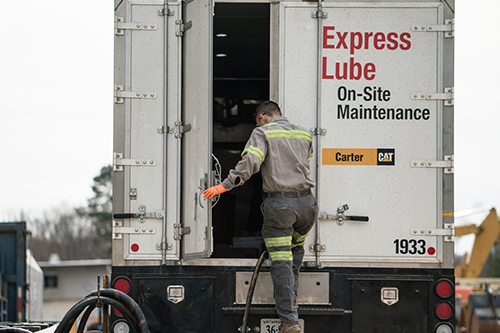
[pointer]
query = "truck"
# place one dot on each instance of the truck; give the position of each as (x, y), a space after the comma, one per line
(21, 278)
(373, 81)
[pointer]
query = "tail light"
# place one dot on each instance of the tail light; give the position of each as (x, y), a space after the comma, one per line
(121, 327)
(444, 328)
(122, 284)
(444, 310)
(444, 288)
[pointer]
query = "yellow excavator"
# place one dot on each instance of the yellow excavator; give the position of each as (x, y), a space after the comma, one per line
(486, 237)
(477, 304)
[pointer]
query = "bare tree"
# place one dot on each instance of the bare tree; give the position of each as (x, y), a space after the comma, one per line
(64, 232)
(81, 233)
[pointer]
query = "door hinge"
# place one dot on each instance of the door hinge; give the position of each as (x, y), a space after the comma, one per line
(164, 246)
(180, 231)
(448, 28)
(119, 230)
(120, 94)
(119, 162)
(448, 164)
(133, 194)
(165, 129)
(319, 14)
(121, 26)
(317, 131)
(181, 27)
(178, 129)
(448, 232)
(165, 11)
(448, 96)
(317, 248)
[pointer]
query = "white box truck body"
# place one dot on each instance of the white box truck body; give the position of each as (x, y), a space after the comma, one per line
(373, 81)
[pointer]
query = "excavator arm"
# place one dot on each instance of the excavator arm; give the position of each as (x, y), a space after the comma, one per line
(486, 236)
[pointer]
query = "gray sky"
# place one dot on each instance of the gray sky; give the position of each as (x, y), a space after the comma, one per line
(56, 84)
(477, 116)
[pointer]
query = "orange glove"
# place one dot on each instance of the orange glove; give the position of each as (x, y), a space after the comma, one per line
(211, 192)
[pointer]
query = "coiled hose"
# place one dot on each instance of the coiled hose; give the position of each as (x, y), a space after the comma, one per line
(251, 288)
(115, 298)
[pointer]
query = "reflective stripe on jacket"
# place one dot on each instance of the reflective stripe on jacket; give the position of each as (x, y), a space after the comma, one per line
(282, 151)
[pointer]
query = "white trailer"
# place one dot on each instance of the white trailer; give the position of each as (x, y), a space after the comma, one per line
(374, 83)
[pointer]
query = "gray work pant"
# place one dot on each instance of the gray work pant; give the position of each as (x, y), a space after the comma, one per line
(287, 221)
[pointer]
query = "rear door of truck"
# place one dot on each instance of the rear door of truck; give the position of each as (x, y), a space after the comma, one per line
(139, 143)
(163, 111)
(378, 109)
(197, 108)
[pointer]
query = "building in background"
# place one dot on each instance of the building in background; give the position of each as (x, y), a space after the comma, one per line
(66, 282)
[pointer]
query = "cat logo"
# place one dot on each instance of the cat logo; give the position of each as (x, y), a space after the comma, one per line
(385, 156)
(358, 156)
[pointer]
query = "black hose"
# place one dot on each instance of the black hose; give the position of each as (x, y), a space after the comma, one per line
(251, 288)
(71, 316)
(126, 313)
(130, 302)
(85, 318)
(108, 301)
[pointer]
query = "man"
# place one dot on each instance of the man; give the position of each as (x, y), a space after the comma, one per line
(282, 151)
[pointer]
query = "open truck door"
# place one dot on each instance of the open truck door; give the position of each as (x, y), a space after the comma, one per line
(163, 111)
(197, 123)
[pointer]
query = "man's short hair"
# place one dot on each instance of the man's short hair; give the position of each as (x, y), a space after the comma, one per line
(268, 107)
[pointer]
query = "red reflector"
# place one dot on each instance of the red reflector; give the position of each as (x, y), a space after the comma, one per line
(134, 247)
(444, 311)
(118, 313)
(444, 288)
(122, 285)
(431, 250)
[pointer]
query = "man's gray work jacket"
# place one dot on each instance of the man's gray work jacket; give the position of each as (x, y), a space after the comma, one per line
(282, 151)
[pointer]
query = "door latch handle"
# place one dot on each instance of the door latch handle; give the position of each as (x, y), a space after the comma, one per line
(340, 217)
(202, 187)
(141, 215)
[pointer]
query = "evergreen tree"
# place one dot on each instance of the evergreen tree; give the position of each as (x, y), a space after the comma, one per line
(99, 211)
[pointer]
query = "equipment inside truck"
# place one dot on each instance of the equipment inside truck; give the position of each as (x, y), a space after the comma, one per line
(240, 83)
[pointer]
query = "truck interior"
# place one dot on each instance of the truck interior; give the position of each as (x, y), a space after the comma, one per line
(240, 83)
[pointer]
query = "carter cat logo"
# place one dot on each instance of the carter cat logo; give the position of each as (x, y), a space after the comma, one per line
(385, 156)
(359, 156)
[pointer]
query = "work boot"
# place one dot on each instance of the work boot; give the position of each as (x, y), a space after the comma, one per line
(292, 327)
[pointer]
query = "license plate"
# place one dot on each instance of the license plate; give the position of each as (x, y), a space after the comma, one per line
(273, 325)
